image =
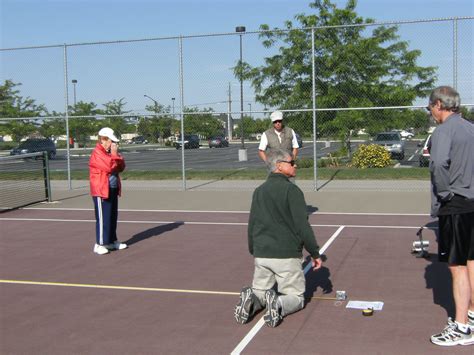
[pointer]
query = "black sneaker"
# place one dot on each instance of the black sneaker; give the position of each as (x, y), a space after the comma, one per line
(451, 335)
(272, 316)
(244, 309)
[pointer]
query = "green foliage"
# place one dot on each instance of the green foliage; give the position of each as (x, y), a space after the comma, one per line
(356, 66)
(468, 113)
(12, 105)
(371, 156)
(205, 125)
(304, 163)
(252, 126)
(118, 123)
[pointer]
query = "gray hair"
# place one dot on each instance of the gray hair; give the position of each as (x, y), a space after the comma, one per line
(448, 98)
(274, 156)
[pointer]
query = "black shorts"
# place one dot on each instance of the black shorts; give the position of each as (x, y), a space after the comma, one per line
(456, 238)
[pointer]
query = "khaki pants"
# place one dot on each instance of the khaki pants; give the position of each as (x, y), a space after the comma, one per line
(288, 274)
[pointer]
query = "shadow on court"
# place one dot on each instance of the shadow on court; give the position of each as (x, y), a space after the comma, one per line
(311, 209)
(438, 279)
(317, 280)
(153, 232)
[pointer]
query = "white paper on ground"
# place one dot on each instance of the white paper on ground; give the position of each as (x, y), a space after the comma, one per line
(376, 306)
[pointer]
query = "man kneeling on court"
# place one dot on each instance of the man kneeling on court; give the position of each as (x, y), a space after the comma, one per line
(278, 230)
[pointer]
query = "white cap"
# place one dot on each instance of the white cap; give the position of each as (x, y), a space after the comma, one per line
(276, 116)
(109, 133)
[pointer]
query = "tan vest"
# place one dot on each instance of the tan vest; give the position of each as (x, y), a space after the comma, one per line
(286, 135)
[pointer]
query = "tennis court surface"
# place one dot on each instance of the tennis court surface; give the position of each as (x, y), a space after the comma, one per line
(174, 289)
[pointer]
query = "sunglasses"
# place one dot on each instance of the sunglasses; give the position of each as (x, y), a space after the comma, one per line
(277, 121)
(291, 162)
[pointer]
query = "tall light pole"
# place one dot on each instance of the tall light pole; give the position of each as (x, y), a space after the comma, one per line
(155, 102)
(172, 99)
(242, 151)
(74, 82)
(250, 110)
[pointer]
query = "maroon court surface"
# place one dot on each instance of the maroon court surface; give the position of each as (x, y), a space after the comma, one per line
(174, 289)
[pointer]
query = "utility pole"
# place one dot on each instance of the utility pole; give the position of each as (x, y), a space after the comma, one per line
(229, 117)
(242, 150)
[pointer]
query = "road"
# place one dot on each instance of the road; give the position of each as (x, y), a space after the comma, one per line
(149, 157)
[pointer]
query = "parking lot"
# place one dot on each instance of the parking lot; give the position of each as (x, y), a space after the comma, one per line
(153, 157)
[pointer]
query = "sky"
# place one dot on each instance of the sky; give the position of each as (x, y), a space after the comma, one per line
(111, 72)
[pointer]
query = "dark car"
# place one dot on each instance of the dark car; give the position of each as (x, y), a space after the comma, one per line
(190, 141)
(425, 153)
(34, 145)
(218, 142)
(138, 140)
(392, 142)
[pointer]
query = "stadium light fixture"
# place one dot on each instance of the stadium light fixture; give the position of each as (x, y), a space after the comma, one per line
(74, 82)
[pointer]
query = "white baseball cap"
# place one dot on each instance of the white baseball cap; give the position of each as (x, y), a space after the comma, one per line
(109, 133)
(276, 116)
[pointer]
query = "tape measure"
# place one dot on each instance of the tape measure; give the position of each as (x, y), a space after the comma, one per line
(368, 312)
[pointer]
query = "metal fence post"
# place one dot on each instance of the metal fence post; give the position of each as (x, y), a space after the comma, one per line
(66, 103)
(455, 53)
(181, 93)
(315, 150)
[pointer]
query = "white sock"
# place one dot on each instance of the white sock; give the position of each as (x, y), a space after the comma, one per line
(462, 327)
(470, 313)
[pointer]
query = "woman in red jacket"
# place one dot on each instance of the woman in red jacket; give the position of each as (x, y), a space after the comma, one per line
(105, 165)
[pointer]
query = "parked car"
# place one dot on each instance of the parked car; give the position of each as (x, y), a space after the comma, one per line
(218, 142)
(34, 145)
(138, 140)
(392, 142)
(190, 141)
(299, 140)
(425, 153)
(405, 134)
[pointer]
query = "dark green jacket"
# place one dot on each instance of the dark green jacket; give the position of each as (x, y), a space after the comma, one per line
(278, 223)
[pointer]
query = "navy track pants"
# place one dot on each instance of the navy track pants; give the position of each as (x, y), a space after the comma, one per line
(106, 215)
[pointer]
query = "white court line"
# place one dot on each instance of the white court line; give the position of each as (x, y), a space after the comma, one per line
(203, 223)
(241, 212)
(251, 334)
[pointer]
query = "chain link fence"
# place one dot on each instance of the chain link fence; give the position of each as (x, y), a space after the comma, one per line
(338, 86)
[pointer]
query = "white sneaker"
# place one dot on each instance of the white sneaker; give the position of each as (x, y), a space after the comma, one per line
(452, 335)
(100, 249)
(116, 246)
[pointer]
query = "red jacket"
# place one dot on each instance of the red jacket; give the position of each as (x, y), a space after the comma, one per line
(101, 165)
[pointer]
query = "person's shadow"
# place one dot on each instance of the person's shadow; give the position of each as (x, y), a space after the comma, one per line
(315, 280)
(438, 278)
(153, 232)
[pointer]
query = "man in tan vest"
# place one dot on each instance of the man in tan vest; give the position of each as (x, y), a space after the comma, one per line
(278, 137)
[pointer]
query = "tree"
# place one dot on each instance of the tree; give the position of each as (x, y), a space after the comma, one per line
(206, 125)
(353, 68)
(12, 105)
(84, 127)
(160, 126)
(118, 123)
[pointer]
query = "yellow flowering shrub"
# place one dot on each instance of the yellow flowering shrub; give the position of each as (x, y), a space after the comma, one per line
(371, 156)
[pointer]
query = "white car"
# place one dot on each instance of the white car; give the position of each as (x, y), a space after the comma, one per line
(406, 134)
